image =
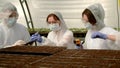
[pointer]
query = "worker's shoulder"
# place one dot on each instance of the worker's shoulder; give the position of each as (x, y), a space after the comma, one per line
(18, 25)
(68, 32)
(64, 32)
(108, 30)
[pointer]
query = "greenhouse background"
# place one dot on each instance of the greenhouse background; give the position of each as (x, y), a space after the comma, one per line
(70, 9)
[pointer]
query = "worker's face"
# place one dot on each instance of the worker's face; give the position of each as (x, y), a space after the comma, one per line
(11, 20)
(54, 25)
(86, 22)
(51, 20)
(85, 19)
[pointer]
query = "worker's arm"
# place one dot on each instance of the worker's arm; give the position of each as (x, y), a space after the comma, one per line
(111, 37)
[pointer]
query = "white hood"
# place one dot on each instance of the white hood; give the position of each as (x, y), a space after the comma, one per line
(99, 14)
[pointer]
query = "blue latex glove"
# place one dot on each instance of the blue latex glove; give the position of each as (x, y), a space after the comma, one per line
(99, 35)
(36, 37)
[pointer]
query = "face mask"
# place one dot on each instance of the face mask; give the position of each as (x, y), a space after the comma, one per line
(54, 27)
(88, 25)
(10, 21)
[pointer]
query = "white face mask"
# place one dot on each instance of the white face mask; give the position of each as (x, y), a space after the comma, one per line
(88, 25)
(10, 21)
(54, 27)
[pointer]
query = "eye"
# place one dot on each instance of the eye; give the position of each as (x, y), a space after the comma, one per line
(51, 22)
(11, 16)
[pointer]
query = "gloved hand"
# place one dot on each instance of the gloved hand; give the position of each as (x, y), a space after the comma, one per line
(36, 37)
(99, 35)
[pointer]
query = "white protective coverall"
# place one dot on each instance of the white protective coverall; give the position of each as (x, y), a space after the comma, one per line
(10, 35)
(99, 14)
(62, 38)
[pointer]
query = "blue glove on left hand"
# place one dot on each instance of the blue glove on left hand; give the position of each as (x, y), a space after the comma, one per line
(36, 37)
(99, 35)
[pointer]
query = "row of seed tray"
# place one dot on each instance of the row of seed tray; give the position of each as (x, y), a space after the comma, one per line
(18, 56)
(81, 59)
(32, 49)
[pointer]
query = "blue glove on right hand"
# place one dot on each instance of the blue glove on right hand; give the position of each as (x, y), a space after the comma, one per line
(36, 37)
(99, 35)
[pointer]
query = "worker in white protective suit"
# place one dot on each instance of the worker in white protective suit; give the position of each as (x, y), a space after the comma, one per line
(59, 36)
(10, 31)
(93, 18)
